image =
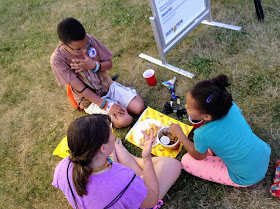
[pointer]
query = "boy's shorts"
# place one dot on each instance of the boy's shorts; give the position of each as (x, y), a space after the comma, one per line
(117, 94)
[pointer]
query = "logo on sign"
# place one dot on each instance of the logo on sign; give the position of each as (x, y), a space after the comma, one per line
(174, 28)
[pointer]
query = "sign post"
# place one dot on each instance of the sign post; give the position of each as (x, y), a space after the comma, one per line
(172, 21)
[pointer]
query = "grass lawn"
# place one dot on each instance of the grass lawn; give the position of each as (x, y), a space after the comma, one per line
(35, 112)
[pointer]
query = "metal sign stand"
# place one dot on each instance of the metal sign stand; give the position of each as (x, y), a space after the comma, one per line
(163, 49)
(259, 9)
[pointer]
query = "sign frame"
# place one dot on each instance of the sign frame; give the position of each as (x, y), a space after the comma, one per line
(164, 46)
(159, 21)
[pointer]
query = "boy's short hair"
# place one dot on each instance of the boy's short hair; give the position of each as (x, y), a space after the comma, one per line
(69, 30)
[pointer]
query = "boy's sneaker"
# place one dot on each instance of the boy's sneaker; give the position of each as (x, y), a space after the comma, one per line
(115, 77)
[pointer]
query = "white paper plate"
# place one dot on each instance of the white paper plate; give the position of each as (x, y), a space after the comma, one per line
(137, 134)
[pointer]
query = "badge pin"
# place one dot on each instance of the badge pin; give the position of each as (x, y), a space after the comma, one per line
(91, 52)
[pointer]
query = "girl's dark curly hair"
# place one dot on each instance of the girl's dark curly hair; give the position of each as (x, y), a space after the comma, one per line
(212, 97)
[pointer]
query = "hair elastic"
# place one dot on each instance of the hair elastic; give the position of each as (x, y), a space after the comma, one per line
(209, 98)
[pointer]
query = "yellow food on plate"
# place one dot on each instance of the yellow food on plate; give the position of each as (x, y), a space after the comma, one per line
(155, 129)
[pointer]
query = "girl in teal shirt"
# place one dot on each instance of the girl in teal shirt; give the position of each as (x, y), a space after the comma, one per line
(225, 150)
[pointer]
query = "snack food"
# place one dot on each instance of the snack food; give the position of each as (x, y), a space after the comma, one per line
(164, 132)
(173, 139)
(151, 126)
(145, 126)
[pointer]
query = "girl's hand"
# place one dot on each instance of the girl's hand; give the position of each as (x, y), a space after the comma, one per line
(149, 140)
(83, 64)
(175, 129)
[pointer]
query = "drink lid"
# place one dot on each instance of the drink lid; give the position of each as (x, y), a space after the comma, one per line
(165, 140)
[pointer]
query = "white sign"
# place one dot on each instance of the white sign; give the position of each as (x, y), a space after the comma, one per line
(175, 15)
(173, 20)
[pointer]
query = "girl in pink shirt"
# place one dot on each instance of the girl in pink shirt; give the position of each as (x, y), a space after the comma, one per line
(89, 179)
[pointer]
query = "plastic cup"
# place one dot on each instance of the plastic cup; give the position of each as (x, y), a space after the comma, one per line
(149, 75)
(196, 124)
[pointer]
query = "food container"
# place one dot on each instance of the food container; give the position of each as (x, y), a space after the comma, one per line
(164, 132)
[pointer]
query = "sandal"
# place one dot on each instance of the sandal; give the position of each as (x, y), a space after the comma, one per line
(159, 204)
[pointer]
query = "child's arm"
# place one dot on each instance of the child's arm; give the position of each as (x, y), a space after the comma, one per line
(79, 86)
(176, 129)
(88, 63)
(106, 65)
(149, 174)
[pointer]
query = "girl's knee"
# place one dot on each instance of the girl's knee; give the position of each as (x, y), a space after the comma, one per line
(185, 159)
(171, 167)
(189, 164)
(172, 163)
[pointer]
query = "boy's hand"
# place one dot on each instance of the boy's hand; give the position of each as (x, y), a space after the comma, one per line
(117, 109)
(175, 129)
(146, 153)
(83, 64)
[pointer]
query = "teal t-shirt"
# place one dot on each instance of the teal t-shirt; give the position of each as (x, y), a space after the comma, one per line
(231, 138)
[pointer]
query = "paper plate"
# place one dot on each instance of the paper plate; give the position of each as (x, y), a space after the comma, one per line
(143, 125)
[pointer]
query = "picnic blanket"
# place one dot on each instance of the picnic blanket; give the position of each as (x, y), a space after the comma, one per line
(62, 148)
(159, 150)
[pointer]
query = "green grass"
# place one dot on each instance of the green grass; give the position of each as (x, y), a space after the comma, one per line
(35, 111)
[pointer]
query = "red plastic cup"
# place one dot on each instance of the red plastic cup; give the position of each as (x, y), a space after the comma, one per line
(195, 123)
(149, 75)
